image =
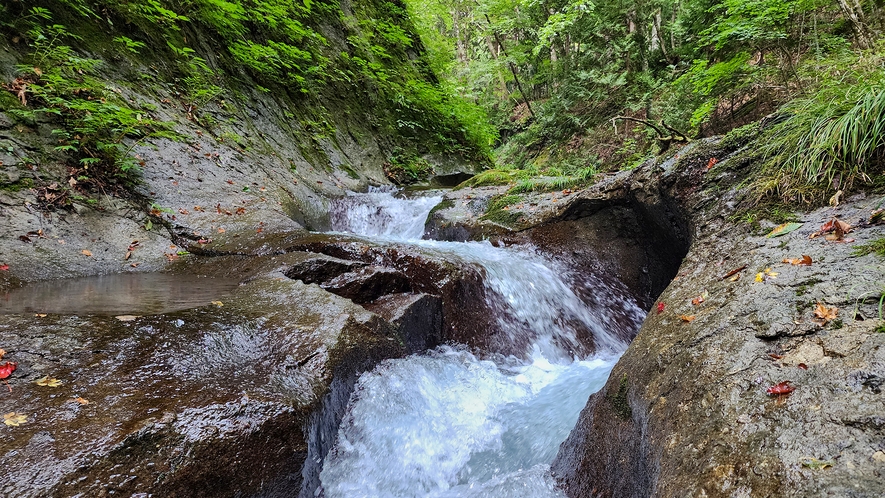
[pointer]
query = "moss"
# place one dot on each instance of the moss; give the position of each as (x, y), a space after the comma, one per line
(24, 183)
(445, 204)
(350, 171)
(875, 247)
(739, 137)
(619, 401)
(487, 178)
(803, 286)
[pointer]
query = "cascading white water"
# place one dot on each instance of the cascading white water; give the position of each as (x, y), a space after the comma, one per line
(449, 424)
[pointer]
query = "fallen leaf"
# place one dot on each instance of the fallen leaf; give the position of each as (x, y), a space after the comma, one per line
(24, 238)
(231, 182)
(661, 306)
(766, 274)
(199, 208)
(712, 162)
(803, 366)
(2, 353)
(6, 370)
(79, 400)
(128, 255)
(221, 230)
(735, 278)
(241, 210)
(687, 318)
(834, 200)
(171, 257)
(775, 356)
(734, 272)
(48, 381)
(836, 229)
(825, 314)
(183, 211)
(13, 419)
(814, 463)
(126, 318)
(86, 252)
(40, 315)
(4, 267)
(780, 389)
(805, 260)
(701, 298)
(218, 303)
(783, 229)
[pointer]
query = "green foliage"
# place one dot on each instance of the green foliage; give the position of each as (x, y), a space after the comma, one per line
(403, 168)
(97, 128)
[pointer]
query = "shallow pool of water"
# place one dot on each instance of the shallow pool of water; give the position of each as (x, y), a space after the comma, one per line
(119, 294)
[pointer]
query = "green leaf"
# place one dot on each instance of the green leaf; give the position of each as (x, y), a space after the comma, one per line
(783, 229)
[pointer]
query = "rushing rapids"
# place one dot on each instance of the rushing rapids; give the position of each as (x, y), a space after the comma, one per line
(449, 423)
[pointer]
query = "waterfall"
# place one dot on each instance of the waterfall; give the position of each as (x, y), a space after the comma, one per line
(448, 423)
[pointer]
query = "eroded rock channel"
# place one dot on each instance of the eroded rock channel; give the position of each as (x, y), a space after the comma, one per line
(245, 396)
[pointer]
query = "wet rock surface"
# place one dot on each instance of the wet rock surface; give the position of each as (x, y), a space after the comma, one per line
(686, 411)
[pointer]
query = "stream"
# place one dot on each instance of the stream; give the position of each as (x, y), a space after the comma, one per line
(450, 423)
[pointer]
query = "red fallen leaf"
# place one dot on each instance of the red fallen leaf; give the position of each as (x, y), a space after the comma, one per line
(5, 371)
(199, 208)
(661, 306)
(229, 181)
(712, 162)
(803, 366)
(4, 267)
(259, 230)
(780, 389)
(241, 210)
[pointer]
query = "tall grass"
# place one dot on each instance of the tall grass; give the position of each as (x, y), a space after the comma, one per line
(833, 136)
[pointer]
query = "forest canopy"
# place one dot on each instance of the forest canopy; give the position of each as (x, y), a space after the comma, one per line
(578, 84)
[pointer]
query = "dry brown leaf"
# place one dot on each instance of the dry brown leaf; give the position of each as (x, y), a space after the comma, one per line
(86, 252)
(2, 352)
(825, 314)
(687, 318)
(80, 400)
(805, 260)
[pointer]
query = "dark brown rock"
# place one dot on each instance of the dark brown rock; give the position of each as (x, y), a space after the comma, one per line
(417, 317)
(368, 284)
